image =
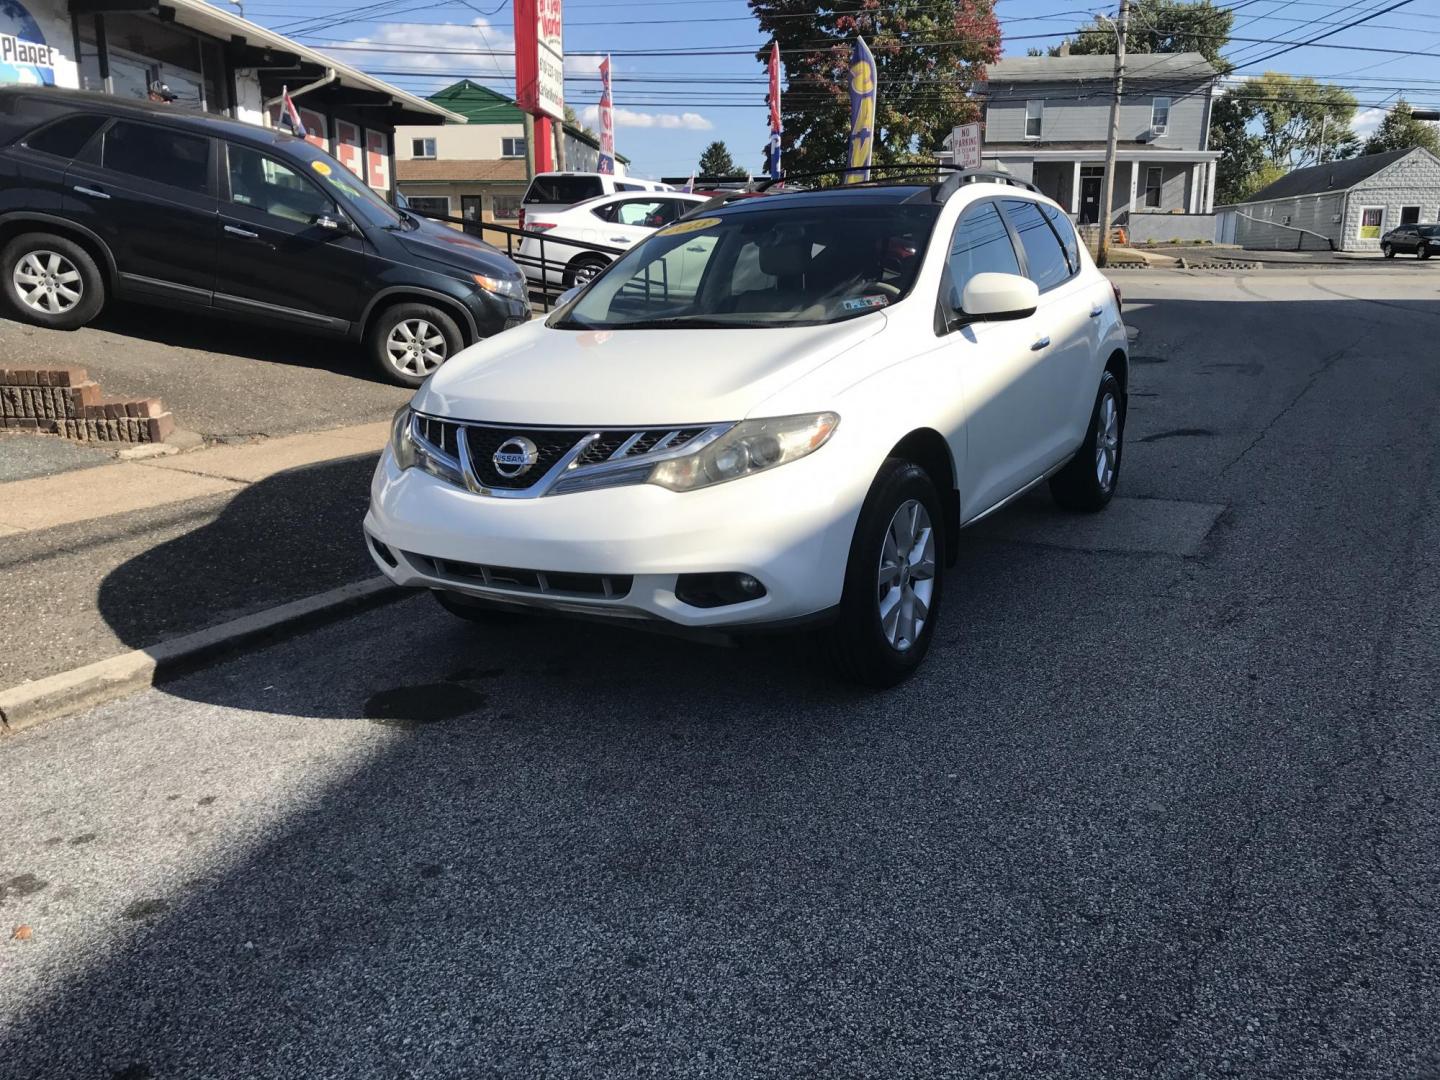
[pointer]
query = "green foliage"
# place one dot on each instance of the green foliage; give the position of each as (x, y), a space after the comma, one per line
(1267, 126)
(715, 160)
(1162, 26)
(923, 92)
(574, 121)
(1400, 131)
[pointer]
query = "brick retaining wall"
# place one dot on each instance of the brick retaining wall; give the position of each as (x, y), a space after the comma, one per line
(64, 401)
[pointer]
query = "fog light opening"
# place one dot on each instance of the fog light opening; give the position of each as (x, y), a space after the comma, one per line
(717, 590)
(384, 554)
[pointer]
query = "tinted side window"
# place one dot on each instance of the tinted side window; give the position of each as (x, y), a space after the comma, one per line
(1046, 261)
(1066, 232)
(981, 246)
(563, 189)
(65, 138)
(264, 184)
(159, 155)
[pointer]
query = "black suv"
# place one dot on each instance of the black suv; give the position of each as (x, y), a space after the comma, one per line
(1421, 240)
(101, 198)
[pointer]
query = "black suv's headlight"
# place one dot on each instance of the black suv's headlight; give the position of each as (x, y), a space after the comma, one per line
(511, 288)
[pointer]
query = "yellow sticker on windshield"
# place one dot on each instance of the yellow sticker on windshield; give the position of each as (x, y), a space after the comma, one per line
(688, 226)
(320, 167)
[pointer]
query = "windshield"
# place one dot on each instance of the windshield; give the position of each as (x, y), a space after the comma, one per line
(352, 192)
(563, 189)
(787, 266)
(1430, 231)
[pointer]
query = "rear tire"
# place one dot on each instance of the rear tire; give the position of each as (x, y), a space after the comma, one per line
(407, 342)
(1088, 482)
(1423, 251)
(50, 281)
(894, 580)
(584, 269)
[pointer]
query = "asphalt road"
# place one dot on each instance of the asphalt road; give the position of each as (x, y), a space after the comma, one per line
(1162, 804)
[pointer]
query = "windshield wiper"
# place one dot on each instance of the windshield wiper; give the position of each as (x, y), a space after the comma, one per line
(682, 322)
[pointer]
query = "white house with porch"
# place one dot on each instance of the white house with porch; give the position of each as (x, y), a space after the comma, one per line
(1047, 119)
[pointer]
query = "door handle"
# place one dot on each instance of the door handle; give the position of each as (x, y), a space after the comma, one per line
(1096, 311)
(1041, 343)
(91, 192)
(246, 233)
(619, 239)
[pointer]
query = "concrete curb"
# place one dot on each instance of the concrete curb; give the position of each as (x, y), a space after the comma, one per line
(105, 680)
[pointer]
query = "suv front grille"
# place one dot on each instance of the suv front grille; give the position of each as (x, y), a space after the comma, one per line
(590, 456)
(543, 582)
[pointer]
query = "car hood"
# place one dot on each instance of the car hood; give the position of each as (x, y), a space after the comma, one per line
(458, 250)
(632, 378)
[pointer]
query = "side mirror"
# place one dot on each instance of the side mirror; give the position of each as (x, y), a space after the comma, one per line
(998, 297)
(568, 295)
(330, 223)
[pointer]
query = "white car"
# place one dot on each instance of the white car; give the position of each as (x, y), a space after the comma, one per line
(554, 191)
(778, 413)
(616, 221)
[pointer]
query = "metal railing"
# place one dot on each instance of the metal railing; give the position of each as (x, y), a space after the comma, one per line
(545, 272)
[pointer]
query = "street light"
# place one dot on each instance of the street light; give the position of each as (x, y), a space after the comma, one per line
(241, 5)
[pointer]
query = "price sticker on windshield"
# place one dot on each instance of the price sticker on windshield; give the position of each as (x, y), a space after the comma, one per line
(320, 167)
(682, 227)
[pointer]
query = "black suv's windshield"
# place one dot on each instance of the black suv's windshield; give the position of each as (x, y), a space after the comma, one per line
(787, 266)
(345, 186)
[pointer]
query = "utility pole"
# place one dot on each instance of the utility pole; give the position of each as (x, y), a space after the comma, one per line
(1107, 198)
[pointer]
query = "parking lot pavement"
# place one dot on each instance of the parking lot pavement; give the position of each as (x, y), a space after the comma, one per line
(1162, 802)
(23, 456)
(225, 380)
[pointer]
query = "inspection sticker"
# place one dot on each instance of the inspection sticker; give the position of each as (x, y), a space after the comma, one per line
(861, 303)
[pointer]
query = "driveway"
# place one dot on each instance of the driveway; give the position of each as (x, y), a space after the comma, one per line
(1161, 804)
(225, 380)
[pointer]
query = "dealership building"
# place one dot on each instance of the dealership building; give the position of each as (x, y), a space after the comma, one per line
(214, 61)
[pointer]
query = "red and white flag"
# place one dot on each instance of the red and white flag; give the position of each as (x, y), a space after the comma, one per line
(289, 115)
(607, 121)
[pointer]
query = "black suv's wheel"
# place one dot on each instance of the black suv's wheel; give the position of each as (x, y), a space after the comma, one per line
(1088, 481)
(50, 281)
(461, 606)
(1388, 251)
(1423, 251)
(409, 341)
(584, 269)
(893, 581)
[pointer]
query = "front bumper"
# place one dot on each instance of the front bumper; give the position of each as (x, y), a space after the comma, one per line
(790, 528)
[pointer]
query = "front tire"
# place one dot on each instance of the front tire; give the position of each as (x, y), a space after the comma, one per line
(894, 580)
(584, 269)
(407, 342)
(1423, 251)
(1387, 251)
(50, 281)
(1088, 482)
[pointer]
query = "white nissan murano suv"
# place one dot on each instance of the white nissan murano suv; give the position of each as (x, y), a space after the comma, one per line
(775, 412)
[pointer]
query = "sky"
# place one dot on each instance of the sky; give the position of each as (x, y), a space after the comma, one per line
(669, 108)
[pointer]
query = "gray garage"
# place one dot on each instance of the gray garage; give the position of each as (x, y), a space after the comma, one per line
(1347, 205)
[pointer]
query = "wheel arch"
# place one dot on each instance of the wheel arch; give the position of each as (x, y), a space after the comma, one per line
(927, 448)
(408, 294)
(1119, 365)
(13, 225)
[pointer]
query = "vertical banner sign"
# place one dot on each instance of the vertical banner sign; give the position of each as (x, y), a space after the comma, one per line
(377, 161)
(348, 146)
(772, 162)
(539, 58)
(607, 121)
(965, 145)
(862, 113)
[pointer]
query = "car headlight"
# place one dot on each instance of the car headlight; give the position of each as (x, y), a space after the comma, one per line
(751, 446)
(413, 453)
(514, 288)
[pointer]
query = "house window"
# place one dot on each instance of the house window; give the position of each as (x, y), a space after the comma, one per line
(1409, 215)
(1034, 113)
(1159, 113)
(1154, 183)
(512, 147)
(430, 204)
(1372, 220)
(422, 148)
(506, 207)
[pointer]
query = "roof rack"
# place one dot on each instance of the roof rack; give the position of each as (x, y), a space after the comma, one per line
(944, 189)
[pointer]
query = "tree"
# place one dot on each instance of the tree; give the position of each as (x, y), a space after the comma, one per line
(924, 88)
(1272, 124)
(1162, 26)
(573, 120)
(1400, 131)
(716, 161)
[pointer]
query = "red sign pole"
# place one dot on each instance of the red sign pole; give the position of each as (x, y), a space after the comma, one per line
(544, 144)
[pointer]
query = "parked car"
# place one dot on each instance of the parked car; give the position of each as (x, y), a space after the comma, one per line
(777, 413)
(103, 199)
(1420, 240)
(617, 221)
(553, 191)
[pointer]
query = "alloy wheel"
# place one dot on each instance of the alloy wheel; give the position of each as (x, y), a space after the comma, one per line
(906, 581)
(48, 282)
(416, 347)
(587, 272)
(1107, 442)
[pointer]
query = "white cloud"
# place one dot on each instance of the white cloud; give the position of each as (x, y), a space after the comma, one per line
(1366, 121)
(479, 36)
(687, 121)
